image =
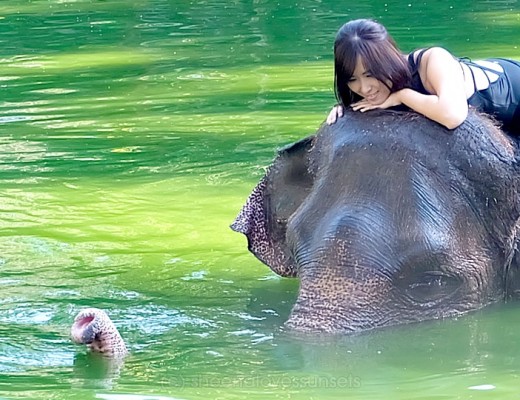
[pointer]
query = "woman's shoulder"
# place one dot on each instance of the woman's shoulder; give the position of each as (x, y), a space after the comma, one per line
(436, 51)
(432, 59)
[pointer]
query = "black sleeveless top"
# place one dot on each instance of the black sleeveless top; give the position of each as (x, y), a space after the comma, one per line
(501, 98)
(416, 82)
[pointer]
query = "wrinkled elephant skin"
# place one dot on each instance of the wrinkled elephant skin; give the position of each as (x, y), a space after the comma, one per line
(93, 327)
(387, 218)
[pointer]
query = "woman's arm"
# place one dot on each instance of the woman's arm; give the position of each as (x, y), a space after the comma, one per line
(442, 76)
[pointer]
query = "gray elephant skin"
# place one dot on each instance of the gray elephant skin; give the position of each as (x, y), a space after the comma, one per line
(388, 218)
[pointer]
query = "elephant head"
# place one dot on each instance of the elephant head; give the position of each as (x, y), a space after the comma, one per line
(389, 218)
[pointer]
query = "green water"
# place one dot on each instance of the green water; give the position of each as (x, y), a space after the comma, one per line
(131, 134)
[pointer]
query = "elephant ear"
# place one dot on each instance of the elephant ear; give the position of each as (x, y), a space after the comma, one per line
(512, 274)
(263, 219)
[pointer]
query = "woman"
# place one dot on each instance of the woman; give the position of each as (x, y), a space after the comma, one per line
(370, 72)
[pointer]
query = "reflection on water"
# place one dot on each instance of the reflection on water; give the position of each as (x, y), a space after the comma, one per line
(132, 132)
(94, 371)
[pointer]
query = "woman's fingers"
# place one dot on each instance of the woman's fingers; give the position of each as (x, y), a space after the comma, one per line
(337, 111)
(334, 114)
(362, 107)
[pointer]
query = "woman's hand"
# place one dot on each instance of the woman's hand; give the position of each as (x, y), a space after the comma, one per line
(335, 113)
(363, 105)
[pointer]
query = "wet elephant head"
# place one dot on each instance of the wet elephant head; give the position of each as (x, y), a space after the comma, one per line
(388, 218)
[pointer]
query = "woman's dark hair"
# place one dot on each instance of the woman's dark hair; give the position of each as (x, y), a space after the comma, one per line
(369, 41)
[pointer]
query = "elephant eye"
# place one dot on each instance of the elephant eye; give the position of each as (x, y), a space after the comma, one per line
(432, 286)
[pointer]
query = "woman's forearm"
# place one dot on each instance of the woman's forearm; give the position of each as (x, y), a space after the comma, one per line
(446, 112)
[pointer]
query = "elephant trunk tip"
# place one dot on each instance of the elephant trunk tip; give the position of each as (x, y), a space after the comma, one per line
(94, 328)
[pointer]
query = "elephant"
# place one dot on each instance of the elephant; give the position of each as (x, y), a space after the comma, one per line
(388, 218)
(93, 327)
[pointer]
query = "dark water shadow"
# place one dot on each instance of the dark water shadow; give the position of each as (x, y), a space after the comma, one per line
(95, 371)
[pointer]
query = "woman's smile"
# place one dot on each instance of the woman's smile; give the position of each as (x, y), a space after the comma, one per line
(371, 98)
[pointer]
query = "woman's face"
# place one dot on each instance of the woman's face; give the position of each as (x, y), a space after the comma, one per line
(365, 85)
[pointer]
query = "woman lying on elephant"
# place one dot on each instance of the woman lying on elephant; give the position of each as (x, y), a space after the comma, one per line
(370, 72)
